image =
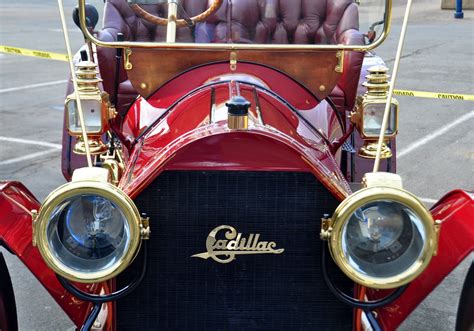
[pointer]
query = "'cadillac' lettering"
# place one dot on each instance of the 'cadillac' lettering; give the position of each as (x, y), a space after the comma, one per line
(235, 244)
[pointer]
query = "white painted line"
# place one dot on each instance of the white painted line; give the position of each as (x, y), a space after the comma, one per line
(25, 87)
(428, 200)
(73, 29)
(29, 156)
(30, 142)
(434, 135)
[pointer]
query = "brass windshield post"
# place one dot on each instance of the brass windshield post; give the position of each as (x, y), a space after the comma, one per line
(75, 84)
(392, 86)
(172, 17)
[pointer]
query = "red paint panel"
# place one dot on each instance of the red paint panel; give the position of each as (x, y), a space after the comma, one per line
(296, 94)
(456, 211)
(16, 233)
(285, 141)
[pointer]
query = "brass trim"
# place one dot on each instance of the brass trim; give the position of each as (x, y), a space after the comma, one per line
(204, 47)
(238, 122)
(145, 228)
(74, 78)
(326, 228)
(392, 85)
(107, 191)
(340, 65)
(342, 215)
(114, 164)
(377, 85)
(34, 218)
(225, 250)
(369, 151)
(127, 63)
(233, 61)
(96, 146)
(172, 18)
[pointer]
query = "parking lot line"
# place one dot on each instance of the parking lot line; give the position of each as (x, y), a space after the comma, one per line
(29, 156)
(30, 142)
(24, 87)
(444, 129)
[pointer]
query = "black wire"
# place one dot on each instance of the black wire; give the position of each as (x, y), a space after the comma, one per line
(92, 317)
(100, 299)
(372, 320)
(348, 300)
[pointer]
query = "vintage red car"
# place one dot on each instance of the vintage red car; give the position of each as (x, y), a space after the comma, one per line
(220, 164)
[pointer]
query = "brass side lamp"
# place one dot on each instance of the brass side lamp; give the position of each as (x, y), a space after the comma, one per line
(96, 106)
(369, 112)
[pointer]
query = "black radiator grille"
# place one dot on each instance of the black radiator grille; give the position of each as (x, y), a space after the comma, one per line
(254, 292)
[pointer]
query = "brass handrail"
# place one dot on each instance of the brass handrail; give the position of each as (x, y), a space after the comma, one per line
(232, 47)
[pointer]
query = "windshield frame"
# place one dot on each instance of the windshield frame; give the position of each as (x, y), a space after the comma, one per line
(233, 47)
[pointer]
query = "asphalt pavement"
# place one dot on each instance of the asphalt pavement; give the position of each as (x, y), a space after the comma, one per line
(436, 136)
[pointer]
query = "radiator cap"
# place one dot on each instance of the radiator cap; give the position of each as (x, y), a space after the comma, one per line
(238, 106)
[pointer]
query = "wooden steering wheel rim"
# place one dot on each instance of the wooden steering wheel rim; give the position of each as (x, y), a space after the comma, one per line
(179, 23)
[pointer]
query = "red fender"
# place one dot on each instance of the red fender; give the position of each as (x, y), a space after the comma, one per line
(456, 212)
(16, 203)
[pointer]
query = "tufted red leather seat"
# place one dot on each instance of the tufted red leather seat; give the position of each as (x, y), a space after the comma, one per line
(281, 22)
(240, 21)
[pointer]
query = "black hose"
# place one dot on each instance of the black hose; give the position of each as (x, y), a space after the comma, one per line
(100, 299)
(92, 317)
(348, 300)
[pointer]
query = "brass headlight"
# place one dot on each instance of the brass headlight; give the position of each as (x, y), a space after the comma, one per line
(88, 231)
(382, 237)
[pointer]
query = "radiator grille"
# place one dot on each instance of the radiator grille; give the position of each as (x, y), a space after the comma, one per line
(254, 292)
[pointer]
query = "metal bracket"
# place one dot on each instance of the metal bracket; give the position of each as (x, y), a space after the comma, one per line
(145, 227)
(233, 61)
(127, 64)
(326, 227)
(34, 217)
(340, 64)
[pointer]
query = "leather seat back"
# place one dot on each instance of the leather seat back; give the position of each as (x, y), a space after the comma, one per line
(281, 21)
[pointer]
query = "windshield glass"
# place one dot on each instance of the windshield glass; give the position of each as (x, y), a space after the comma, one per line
(243, 23)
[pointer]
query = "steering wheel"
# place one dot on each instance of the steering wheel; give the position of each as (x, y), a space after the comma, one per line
(179, 23)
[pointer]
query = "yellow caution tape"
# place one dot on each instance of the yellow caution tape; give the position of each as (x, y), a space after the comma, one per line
(434, 95)
(34, 53)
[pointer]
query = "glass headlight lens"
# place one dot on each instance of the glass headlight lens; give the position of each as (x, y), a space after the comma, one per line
(383, 237)
(88, 231)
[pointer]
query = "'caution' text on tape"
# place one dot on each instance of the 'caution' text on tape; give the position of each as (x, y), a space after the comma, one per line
(434, 95)
(34, 53)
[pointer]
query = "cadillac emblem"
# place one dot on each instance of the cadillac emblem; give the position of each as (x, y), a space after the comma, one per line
(225, 250)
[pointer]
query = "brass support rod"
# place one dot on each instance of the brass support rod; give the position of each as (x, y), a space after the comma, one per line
(172, 17)
(392, 86)
(74, 82)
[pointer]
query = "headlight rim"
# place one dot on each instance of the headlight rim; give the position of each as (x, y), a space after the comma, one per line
(345, 210)
(89, 187)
